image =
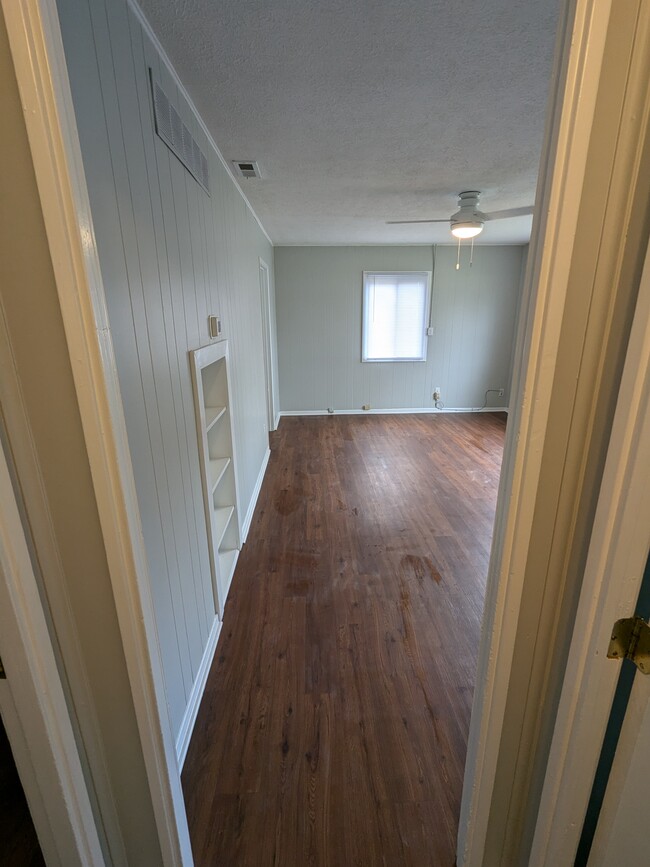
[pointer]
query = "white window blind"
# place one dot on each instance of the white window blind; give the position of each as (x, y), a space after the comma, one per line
(395, 316)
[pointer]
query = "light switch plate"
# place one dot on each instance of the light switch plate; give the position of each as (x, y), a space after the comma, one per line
(214, 326)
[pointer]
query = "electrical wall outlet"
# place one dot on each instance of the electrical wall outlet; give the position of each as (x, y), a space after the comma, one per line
(436, 393)
(366, 406)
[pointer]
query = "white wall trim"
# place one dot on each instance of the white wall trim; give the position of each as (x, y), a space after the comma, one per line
(276, 421)
(34, 708)
(172, 71)
(613, 575)
(256, 492)
(32, 486)
(198, 688)
(413, 410)
(269, 340)
(41, 73)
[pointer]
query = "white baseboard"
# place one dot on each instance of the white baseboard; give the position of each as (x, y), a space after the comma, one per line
(189, 718)
(256, 492)
(276, 421)
(418, 410)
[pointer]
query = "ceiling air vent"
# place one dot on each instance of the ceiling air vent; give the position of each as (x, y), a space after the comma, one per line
(177, 136)
(246, 168)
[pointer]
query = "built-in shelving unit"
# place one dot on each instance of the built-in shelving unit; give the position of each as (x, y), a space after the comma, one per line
(218, 464)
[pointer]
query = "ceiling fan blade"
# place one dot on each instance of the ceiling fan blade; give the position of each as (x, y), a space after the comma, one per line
(510, 212)
(403, 222)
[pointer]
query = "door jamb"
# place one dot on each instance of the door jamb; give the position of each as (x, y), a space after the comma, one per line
(41, 73)
(267, 345)
(34, 708)
(615, 550)
(579, 56)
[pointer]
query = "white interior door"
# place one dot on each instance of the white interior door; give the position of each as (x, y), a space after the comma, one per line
(265, 296)
(618, 553)
(33, 706)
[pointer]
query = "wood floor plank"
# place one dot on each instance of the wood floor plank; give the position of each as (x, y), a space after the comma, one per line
(333, 728)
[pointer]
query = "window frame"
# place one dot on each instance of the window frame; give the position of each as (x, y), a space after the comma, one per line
(427, 314)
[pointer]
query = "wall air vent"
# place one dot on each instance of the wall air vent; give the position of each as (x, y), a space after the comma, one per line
(246, 169)
(177, 136)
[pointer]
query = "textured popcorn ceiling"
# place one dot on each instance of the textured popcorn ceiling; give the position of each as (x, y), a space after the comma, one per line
(361, 111)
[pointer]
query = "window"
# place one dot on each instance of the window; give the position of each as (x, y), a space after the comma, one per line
(395, 315)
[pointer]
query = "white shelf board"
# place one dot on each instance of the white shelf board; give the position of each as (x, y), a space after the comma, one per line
(212, 415)
(227, 560)
(217, 469)
(222, 516)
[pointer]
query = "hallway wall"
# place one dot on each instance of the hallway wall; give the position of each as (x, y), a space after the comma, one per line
(170, 255)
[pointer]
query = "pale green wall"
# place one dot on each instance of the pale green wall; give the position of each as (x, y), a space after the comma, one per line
(318, 300)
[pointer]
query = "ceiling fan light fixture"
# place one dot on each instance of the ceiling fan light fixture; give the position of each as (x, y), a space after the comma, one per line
(466, 228)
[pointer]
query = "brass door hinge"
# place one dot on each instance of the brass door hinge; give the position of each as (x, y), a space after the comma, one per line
(631, 640)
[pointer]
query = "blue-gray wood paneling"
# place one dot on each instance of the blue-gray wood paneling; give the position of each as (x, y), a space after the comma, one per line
(170, 255)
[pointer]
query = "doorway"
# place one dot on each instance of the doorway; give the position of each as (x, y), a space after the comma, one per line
(268, 341)
(535, 400)
(19, 846)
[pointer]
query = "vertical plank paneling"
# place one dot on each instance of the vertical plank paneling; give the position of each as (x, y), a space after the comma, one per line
(318, 299)
(101, 186)
(170, 255)
(131, 252)
(180, 339)
(180, 429)
(150, 272)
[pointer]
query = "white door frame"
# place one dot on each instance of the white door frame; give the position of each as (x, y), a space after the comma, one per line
(578, 82)
(268, 339)
(616, 562)
(33, 706)
(579, 57)
(39, 61)
(42, 79)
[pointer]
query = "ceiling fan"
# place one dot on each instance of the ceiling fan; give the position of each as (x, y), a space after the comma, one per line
(468, 221)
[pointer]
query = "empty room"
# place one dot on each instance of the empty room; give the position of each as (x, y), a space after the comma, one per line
(322, 380)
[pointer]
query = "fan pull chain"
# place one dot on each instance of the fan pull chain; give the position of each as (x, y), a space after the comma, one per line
(458, 257)
(471, 254)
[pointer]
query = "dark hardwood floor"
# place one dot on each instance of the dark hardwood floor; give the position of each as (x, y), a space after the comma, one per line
(334, 724)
